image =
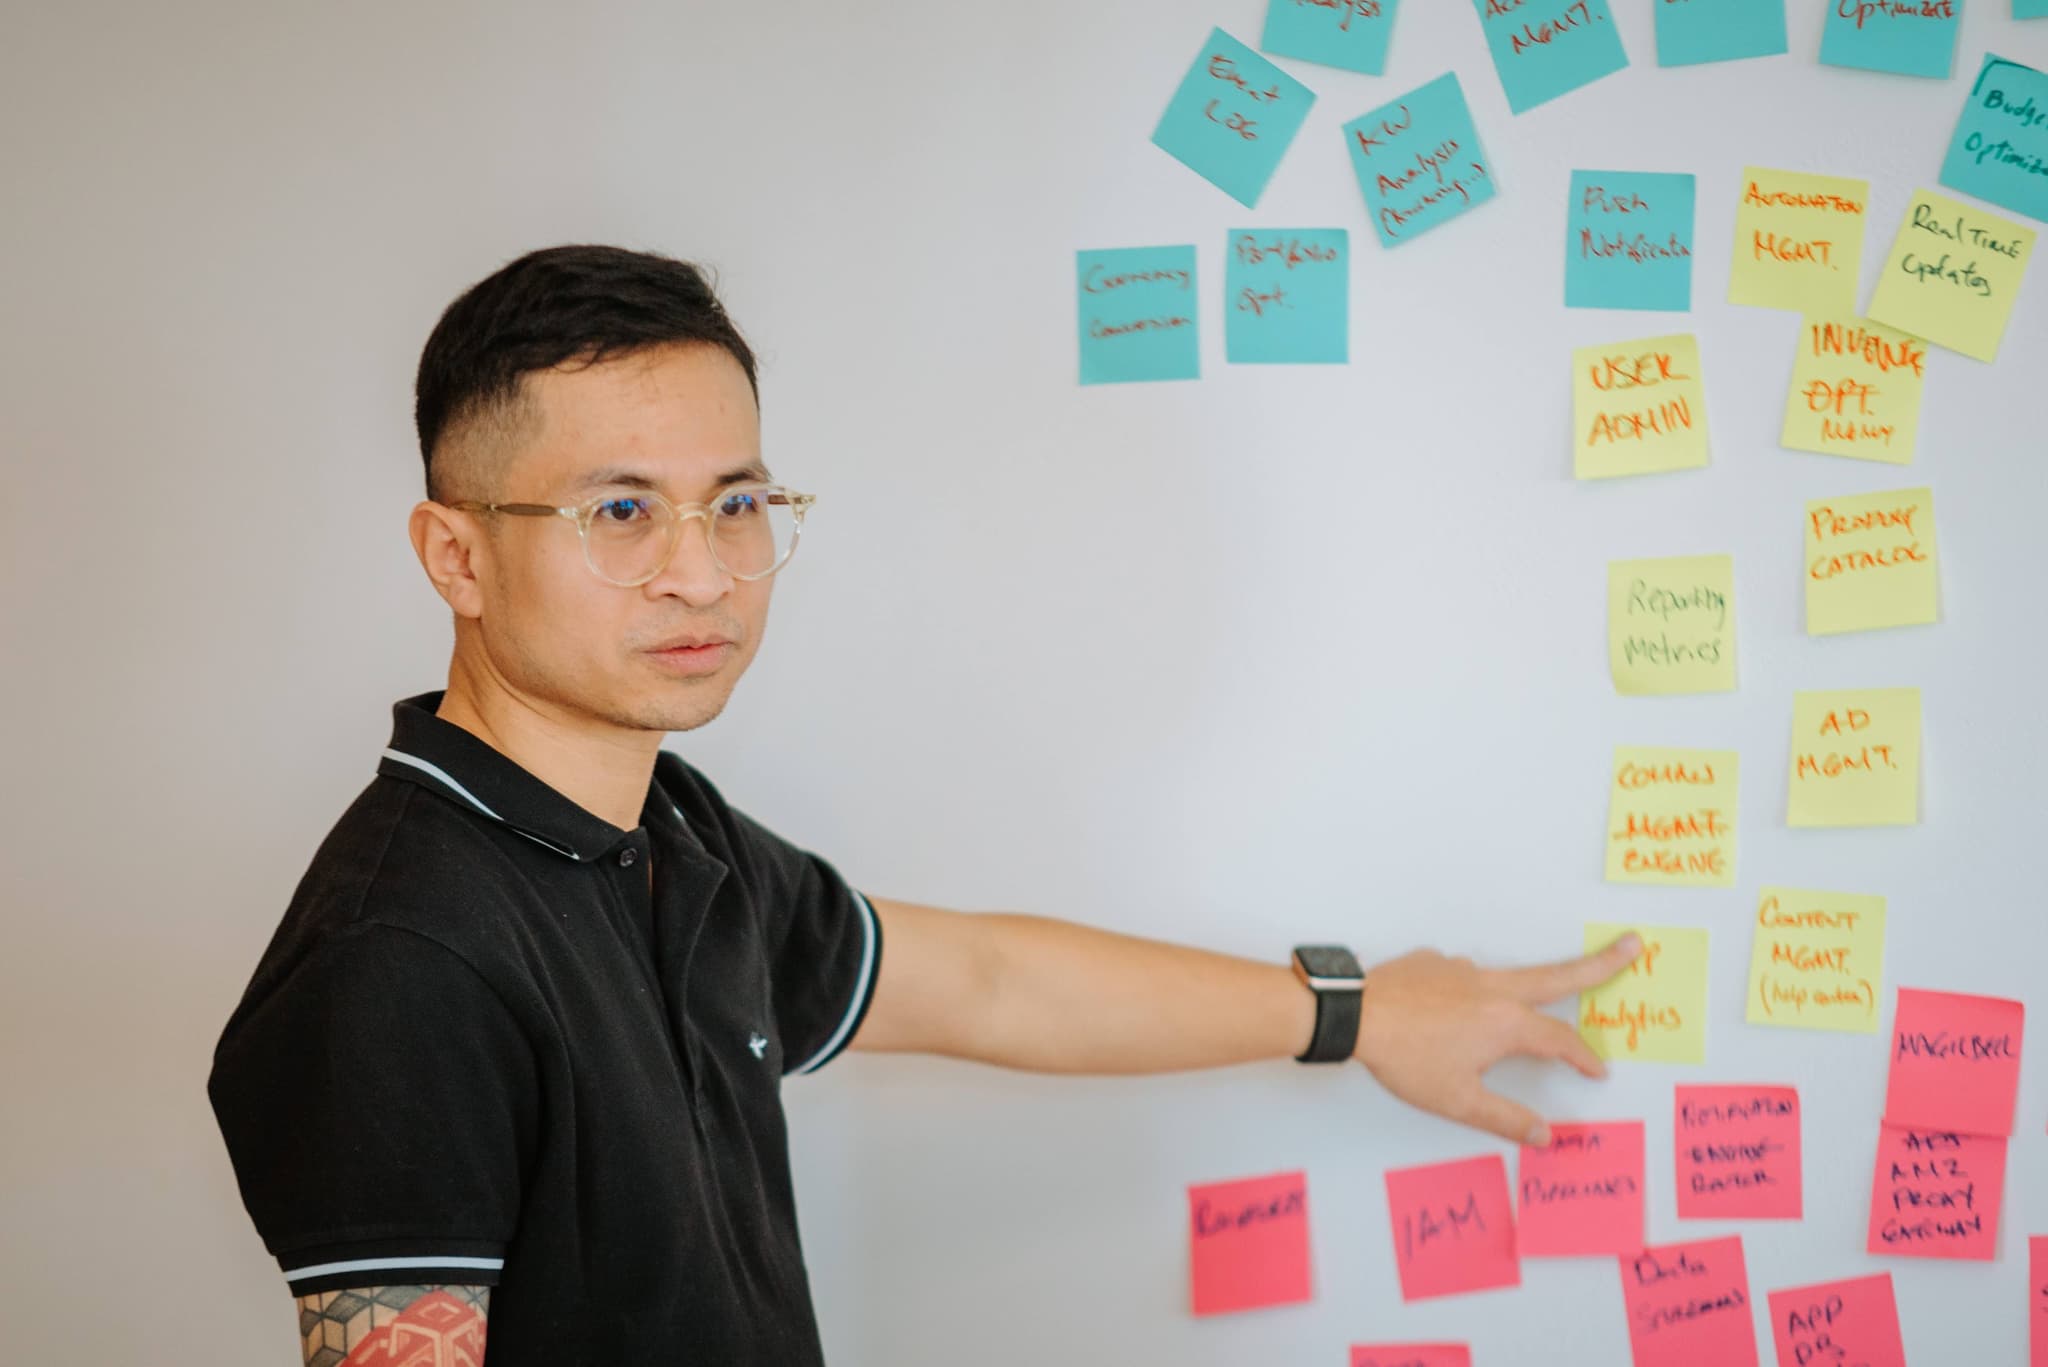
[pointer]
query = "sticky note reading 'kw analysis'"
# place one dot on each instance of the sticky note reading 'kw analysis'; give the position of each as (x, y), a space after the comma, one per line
(1654, 1010)
(1543, 48)
(1671, 624)
(1639, 408)
(1853, 1321)
(1936, 1193)
(1855, 390)
(1955, 1062)
(1248, 1243)
(1695, 31)
(2000, 148)
(1905, 37)
(1418, 160)
(1137, 314)
(1818, 961)
(1688, 1305)
(1953, 274)
(1628, 241)
(1871, 562)
(1671, 817)
(1737, 1153)
(1453, 1227)
(1287, 295)
(1798, 241)
(1855, 758)
(1351, 34)
(1582, 1194)
(1232, 117)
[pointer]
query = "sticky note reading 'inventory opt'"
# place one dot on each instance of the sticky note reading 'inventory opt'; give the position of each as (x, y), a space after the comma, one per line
(1582, 1194)
(1671, 624)
(1719, 31)
(1936, 1193)
(1628, 241)
(1798, 241)
(1955, 1062)
(1688, 1305)
(1543, 48)
(1287, 295)
(1453, 1227)
(1906, 37)
(1351, 34)
(1418, 160)
(1871, 562)
(1137, 314)
(1410, 1355)
(1853, 1321)
(2000, 148)
(1738, 1153)
(1639, 408)
(1855, 391)
(1248, 1243)
(1818, 961)
(1855, 758)
(1671, 817)
(1656, 1008)
(1953, 274)
(1232, 118)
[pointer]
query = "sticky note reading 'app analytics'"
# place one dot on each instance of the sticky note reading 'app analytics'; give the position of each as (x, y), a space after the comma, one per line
(1719, 30)
(1137, 314)
(1855, 758)
(1454, 1229)
(1737, 1153)
(1248, 1243)
(1351, 34)
(1654, 1010)
(1953, 274)
(1418, 160)
(1798, 241)
(1671, 624)
(1855, 390)
(1936, 1193)
(1638, 408)
(1543, 48)
(1581, 1195)
(1628, 241)
(1955, 1061)
(1871, 562)
(1837, 1323)
(1818, 960)
(1233, 117)
(1688, 1305)
(2000, 149)
(1671, 817)
(1287, 295)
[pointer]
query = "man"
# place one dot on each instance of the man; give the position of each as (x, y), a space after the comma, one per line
(523, 1026)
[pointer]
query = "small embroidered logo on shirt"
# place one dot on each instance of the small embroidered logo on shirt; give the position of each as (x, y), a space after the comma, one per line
(758, 1043)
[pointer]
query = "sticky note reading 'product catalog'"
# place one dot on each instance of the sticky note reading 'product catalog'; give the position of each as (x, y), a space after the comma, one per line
(1671, 817)
(1248, 1243)
(1454, 1229)
(1855, 758)
(1655, 1010)
(1936, 1193)
(1688, 1305)
(1418, 160)
(1906, 37)
(1719, 31)
(1582, 1194)
(1953, 274)
(1871, 562)
(2000, 148)
(1351, 34)
(1818, 961)
(1855, 391)
(1410, 1355)
(1853, 1321)
(1232, 117)
(1955, 1062)
(1639, 408)
(1671, 624)
(1737, 1153)
(1137, 314)
(1798, 241)
(1543, 48)
(1287, 295)
(1628, 241)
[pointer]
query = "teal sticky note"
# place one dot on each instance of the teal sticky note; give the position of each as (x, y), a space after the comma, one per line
(1351, 34)
(2000, 150)
(1541, 50)
(1233, 116)
(1418, 160)
(1693, 31)
(1287, 295)
(1628, 241)
(2030, 9)
(1906, 37)
(1137, 314)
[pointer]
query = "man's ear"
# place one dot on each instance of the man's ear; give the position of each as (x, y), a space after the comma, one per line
(447, 542)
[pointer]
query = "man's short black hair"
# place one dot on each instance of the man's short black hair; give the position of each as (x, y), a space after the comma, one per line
(583, 302)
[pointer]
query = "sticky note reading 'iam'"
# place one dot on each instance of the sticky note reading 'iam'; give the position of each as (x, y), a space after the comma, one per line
(1855, 391)
(1543, 48)
(1955, 1062)
(1838, 1322)
(1671, 817)
(1688, 1305)
(1248, 1243)
(1671, 624)
(1639, 408)
(1453, 1227)
(1628, 241)
(1737, 1152)
(1287, 295)
(1351, 34)
(1137, 314)
(1906, 37)
(1719, 31)
(1418, 160)
(1936, 1193)
(2000, 148)
(1410, 1355)
(1798, 241)
(1871, 562)
(1232, 117)
(1656, 1008)
(1818, 960)
(1953, 274)
(1855, 758)
(1582, 1194)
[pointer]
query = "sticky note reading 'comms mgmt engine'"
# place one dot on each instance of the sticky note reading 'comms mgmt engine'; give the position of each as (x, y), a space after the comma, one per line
(1671, 624)
(1855, 390)
(1953, 274)
(1582, 1194)
(1671, 817)
(1871, 562)
(1936, 1193)
(1543, 48)
(1688, 1305)
(2000, 148)
(1955, 1062)
(1418, 160)
(1838, 1322)
(1453, 1227)
(1737, 1152)
(1248, 1243)
(1351, 34)
(1798, 241)
(1232, 117)
(1286, 295)
(1725, 31)
(1654, 1010)
(1137, 314)
(1855, 758)
(1628, 241)
(1818, 961)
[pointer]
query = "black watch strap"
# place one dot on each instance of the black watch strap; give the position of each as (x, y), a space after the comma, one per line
(1336, 1036)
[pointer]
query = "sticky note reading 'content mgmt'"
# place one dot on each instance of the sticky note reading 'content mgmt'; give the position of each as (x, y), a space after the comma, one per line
(1671, 624)
(1638, 408)
(1737, 1152)
(1454, 1229)
(1856, 389)
(1582, 1194)
(1688, 1305)
(1248, 1243)
(1818, 961)
(1654, 1010)
(1671, 817)
(1798, 241)
(1855, 758)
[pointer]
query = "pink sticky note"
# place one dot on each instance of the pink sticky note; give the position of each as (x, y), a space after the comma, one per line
(2037, 1300)
(1838, 1322)
(1248, 1243)
(1738, 1153)
(1410, 1355)
(1936, 1193)
(1955, 1062)
(1688, 1305)
(1453, 1228)
(1583, 1194)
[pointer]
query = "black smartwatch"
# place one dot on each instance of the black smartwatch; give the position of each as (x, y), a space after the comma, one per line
(1333, 974)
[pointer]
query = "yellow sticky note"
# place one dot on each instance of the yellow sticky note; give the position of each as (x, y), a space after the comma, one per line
(1656, 1008)
(1798, 241)
(1818, 961)
(1855, 390)
(1870, 562)
(1671, 624)
(1856, 758)
(1639, 407)
(1953, 274)
(1671, 817)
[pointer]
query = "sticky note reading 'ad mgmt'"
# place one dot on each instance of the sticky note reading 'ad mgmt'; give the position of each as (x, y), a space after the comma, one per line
(1953, 274)
(1818, 961)
(1671, 624)
(1248, 1243)
(1936, 1193)
(1838, 1322)
(1654, 1010)
(1855, 391)
(1737, 1153)
(1688, 1305)
(1671, 817)
(1955, 1062)
(1232, 117)
(1798, 241)
(1454, 1229)
(1639, 408)
(1855, 758)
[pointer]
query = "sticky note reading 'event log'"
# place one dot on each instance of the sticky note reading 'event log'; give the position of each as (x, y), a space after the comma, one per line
(2000, 148)
(1639, 408)
(1853, 1321)
(1287, 295)
(1855, 391)
(1719, 31)
(1628, 241)
(1656, 1008)
(1855, 758)
(1671, 624)
(1906, 37)
(1410, 1355)
(1453, 1227)
(1955, 1062)
(1418, 160)
(1232, 117)
(1953, 274)
(1798, 241)
(1351, 34)
(1936, 1193)
(1737, 1153)
(1818, 960)
(1688, 1305)
(1248, 1243)
(1671, 817)
(1137, 314)
(1582, 1194)
(1871, 562)
(1543, 48)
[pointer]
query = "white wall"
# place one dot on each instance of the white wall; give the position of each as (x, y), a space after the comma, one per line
(1282, 653)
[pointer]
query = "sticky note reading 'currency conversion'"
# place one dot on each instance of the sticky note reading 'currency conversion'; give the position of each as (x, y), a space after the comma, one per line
(1955, 1061)
(1287, 295)
(1871, 562)
(1936, 1193)
(1248, 1243)
(1418, 160)
(1638, 408)
(2000, 149)
(1737, 1153)
(1688, 1305)
(1852, 1321)
(1233, 117)
(1798, 241)
(1654, 1010)
(1671, 817)
(1855, 390)
(1671, 624)
(1628, 241)
(1351, 34)
(1818, 962)
(1454, 1229)
(1137, 314)
(1855, 758)
(1953, 274)
(1581, 1194)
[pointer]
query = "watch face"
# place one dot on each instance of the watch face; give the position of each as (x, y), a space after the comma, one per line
(1328, 961)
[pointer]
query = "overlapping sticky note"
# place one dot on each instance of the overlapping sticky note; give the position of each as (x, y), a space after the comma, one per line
(1351, 34)
(1232, 117)
(1628, 241)
(1855, 390)
(1688, 1305)
(1248, 1243)
(2037, 1265)
(1936, 1193)
(2000, 148)
(1671, 817)
(1855, 758)
(1856, 1320)
(1418, 160)
(1955, 1061)
(2030, 9)
(1818, 961)
(1410, 1355)
(1671, 624)
(1871, 562)
(1137, 312)
(1953, 274)
(1543, 48)
(1582, 1194)
(1453, 1227)
(1655, 1010)
(1287, 295)
(1719, 30)
(1907, 39)
(1638, 408)
(1737, 1151)
(1798, 241)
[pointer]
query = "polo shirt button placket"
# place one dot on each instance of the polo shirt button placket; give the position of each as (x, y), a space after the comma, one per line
(627, 856)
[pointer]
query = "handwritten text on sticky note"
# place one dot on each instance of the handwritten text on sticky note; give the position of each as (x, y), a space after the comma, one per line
(1737, 1153)
(1582, 1194)
(1855, 758)
(1671, 624)
(1287, 295)
(1655, 1009)
(1953, 274)
(1454, 1229)
(1694, 31)
(1955, 1061)
(1248, 1243)
(1136, 307)
(1628, 241)
(2001, 141)
(1543, 48)
(1798, 241)
(1688, 1305)
(1818, 960)
(1638, 407)
(1351, 34)
(1232, 117)
(1418, 160)
(1936, 1193)
(1871, 562)
(1671, 817)
(1906, 37)
(1836, 1323)
(1856, 389)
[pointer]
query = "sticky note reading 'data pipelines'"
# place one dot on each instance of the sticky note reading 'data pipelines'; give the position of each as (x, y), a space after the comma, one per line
(1871, 562)
(1855, 758)
(1798, 241)
(1581, 1195)
(1248, 1243)
(1639, 408)
(1818, 960)
(1688, 1305)
(1454, 1229)
(1671, 624)
(1232, 117)
(1953, 274)
(1671, 817)
(1838, 1322)
(1656, 1008)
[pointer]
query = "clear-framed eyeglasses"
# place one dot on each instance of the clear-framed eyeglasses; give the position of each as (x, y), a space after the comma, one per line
(752, 529)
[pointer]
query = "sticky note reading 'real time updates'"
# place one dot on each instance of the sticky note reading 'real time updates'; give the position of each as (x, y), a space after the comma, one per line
(1953, 274)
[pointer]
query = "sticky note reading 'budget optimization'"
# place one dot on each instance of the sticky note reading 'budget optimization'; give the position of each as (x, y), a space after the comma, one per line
(1719, 31)
(1454, 1229)
(1410, 1355)
(1688, 1305)
(1936, 1193)
(1798, 241)
(1671, 817)
(1871, 562)
(1906, 37)
(1287, 295)
(1543, 48)
(1638, 408)
(1955, 1062)
(2000, 148)
(1953, 274)
(1737, 1153)
(1855, 391)
(1232, 117)
(1418, 160)
(1853, 1321)
(1628, 241)
(1137, 314)
(1671, 624)
(1655, 1010)
(1351, 34)
(1818, 961)
(1582, 1194)
(1248, 1243)
(1855, 758)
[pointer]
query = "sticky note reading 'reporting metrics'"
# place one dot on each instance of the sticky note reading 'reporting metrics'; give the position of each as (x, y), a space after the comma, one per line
(1418, 160)
(1454, 1229)
(1671, 624)
(1543, 48)
(1232, 117)
(1654, 1010)
(1855, 758)
(1798, 241)
(1953, 274)
(1638, 408)
(1955, 1061)
(1248, 1243)
(1671, 817)
(1688, 1305)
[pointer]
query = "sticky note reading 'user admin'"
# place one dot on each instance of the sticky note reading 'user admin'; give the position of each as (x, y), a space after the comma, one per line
(1638, 408)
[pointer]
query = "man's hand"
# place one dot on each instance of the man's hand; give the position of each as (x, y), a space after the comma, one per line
(1430, 1026)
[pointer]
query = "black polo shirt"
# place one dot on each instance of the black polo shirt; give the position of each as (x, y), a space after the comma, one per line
(478, 1050)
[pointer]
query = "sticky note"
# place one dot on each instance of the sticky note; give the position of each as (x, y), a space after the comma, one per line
(1871, 562)
(1692, 31)
(1953, 274)
(1418, 160)
(1232, 117)
(1351, 34)
(1905, 37)
(1453, 1227)
(1737, 1153)
(1628, 241)
(1671, 624)
(2037, 1281)
(1688, 1305)
(1798, 241)
(1856, 1320)
(1543, 48)
(1855, 390)
(2000, 148)
(1582, 1194)
(1655, 1010)
(1818, 961)
(1137, 314)
(1410, 1355)
(1936, 1193)
(1671, 817)
(1248, 1243)
(1287, 295)
(1855, 758)
(2030, 9)
(1955, 1062)
(1638, 408)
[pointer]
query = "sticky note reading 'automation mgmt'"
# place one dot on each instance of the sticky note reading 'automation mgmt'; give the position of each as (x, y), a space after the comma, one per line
(1737, 1153)
(1671, 817)
(1655, 1010)
(1418, 160)
(1671, 624)
(1248, 1243)
(1855, 390)
(1855, 758)
(1582, 1194)
(1638, 408)
(1688, 1305)
(1454, 1229)
(1798, 241)
(1232, 117)
(1953, 274)
(1818, 962)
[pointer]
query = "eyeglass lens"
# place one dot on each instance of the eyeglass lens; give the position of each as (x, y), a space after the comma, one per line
(630, 537)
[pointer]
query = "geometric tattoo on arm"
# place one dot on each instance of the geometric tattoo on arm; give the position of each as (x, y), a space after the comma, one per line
(395, 1326)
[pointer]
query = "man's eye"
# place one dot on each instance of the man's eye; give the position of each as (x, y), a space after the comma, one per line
(622, 509)
(735, 505)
